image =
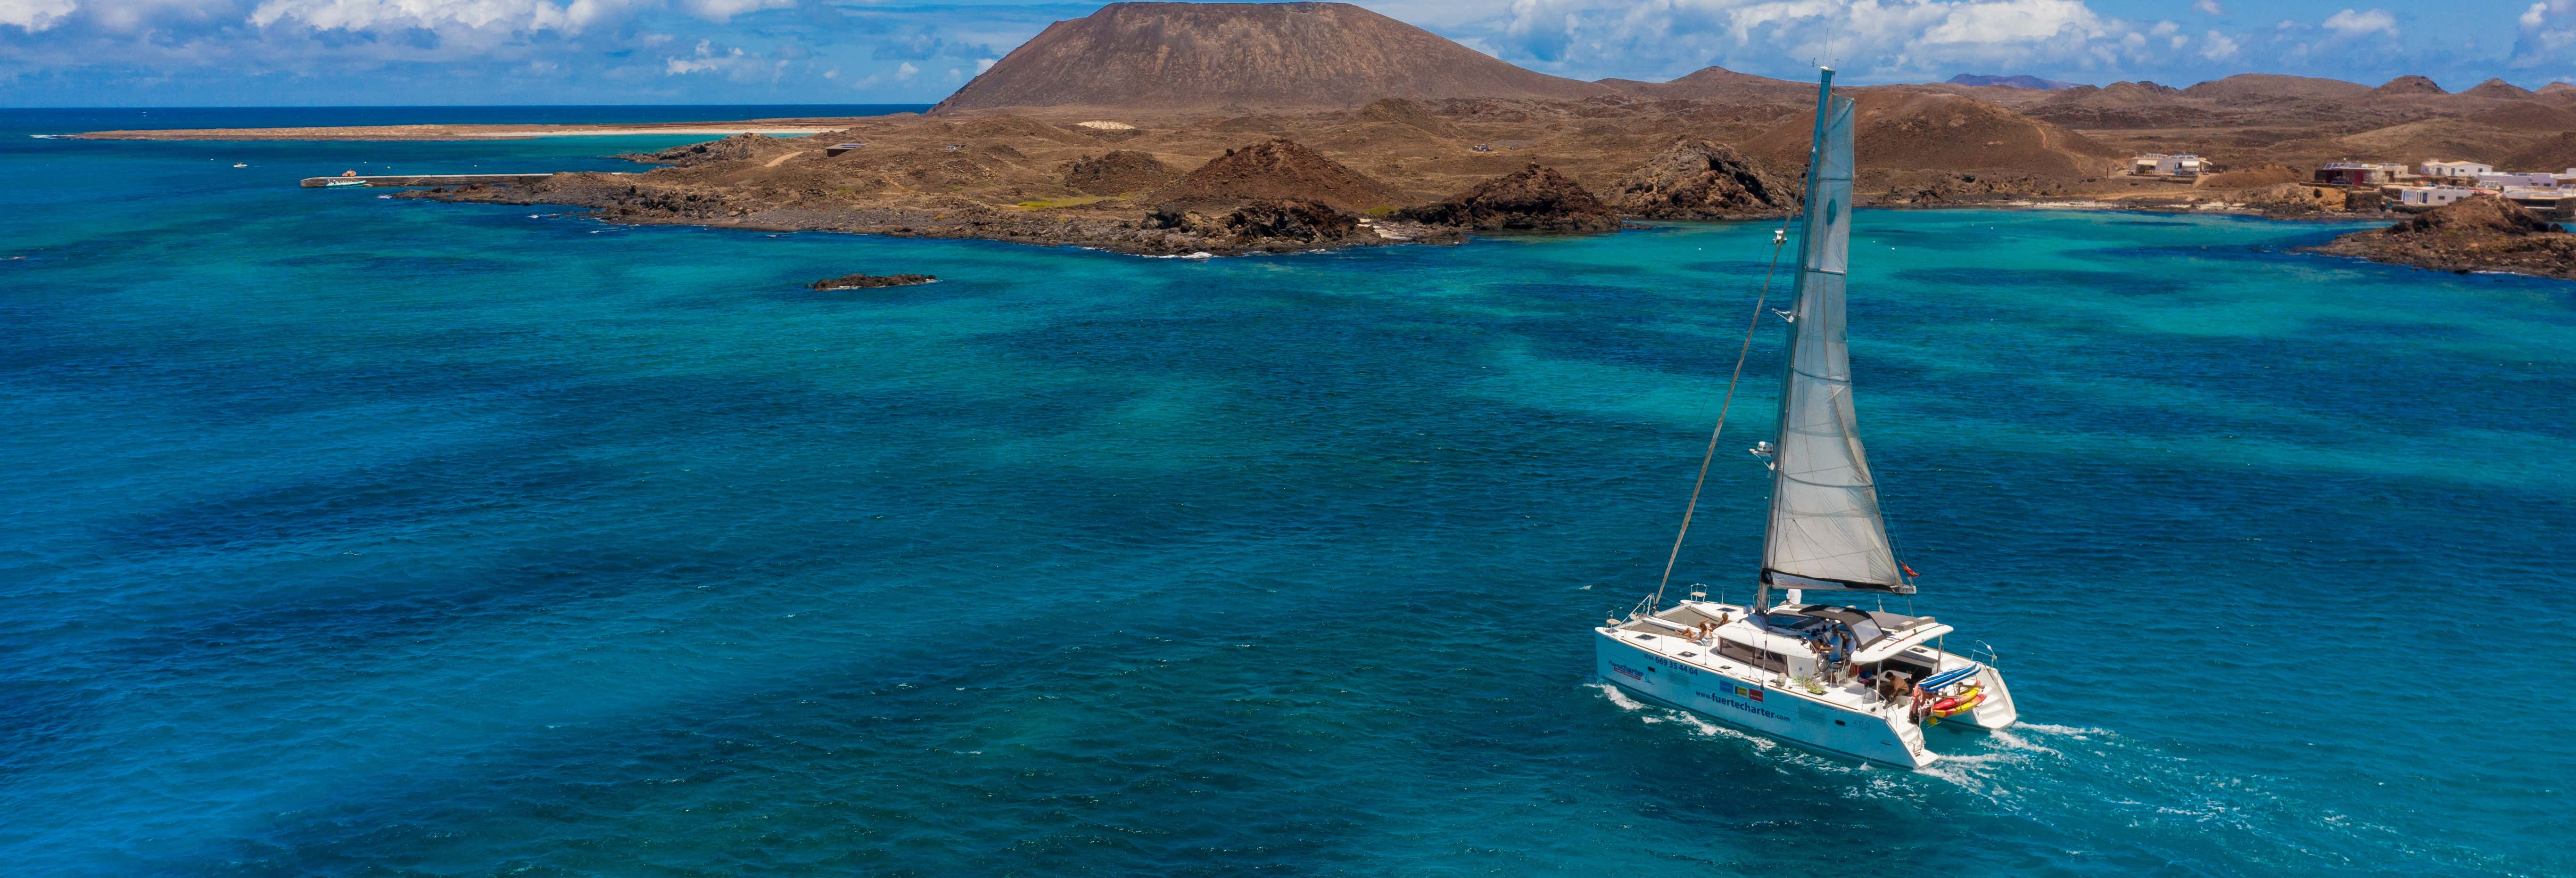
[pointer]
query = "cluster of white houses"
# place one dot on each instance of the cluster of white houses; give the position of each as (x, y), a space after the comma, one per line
(2436, 183)
(2431, 184)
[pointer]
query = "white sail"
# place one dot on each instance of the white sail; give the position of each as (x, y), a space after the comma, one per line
(1825, 531)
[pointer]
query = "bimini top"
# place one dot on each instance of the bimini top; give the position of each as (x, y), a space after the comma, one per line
(1867, 626)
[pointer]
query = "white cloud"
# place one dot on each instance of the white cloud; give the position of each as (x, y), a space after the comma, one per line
(2548, 34)
(984, 64)
(2354, 24)
(2216, 46)
(1869, 40)
(35, 15)
(360, 15)
(906, 71)
(2209, 7)
(705, 59)
(725, 10)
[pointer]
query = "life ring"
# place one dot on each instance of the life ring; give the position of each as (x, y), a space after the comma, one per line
(1958, 704)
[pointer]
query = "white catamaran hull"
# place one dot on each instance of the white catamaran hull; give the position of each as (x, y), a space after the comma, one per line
(1750, 704)
(1838, 678)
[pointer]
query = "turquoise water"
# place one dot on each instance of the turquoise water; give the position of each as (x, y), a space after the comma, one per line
(358, 536)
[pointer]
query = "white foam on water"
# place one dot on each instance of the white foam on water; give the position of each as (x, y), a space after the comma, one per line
(2078, 731)
(2012, 741)
(1619, 698)
(1709, 729)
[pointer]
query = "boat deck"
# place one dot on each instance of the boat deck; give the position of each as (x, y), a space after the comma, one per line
(1679, 646)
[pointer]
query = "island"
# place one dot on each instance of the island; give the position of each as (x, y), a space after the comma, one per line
(1176, 129)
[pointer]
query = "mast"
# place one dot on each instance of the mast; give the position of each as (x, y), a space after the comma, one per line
(1825, 529)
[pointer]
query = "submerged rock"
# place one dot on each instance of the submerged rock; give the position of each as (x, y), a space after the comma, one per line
(1536, 198)
(869, 281)
(1697, 179)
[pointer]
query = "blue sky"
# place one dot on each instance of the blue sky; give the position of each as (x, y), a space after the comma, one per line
(315, 52)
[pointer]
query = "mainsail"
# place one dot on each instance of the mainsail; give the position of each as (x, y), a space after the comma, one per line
(1825, 532)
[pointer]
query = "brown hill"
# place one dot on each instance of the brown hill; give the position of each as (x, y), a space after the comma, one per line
(2498, 88)
(2274, 87)
(2120, 105)
(1279, 169)
(2409, 85)
(1122, 170)
(1920, 131)
(1721, 85)
(1697, 180)
(2528, 114)
(2557, 91)
(2547, 155)
(1168, 56)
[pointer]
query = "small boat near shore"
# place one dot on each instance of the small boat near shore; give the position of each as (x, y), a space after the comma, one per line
(1831, 675)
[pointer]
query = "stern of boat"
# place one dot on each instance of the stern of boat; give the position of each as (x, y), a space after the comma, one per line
(1997, 710)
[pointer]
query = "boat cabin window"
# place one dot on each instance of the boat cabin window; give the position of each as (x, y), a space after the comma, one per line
(1866, 632)
(1760, 658)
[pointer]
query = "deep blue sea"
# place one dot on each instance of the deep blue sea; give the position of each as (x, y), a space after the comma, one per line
(353, 536)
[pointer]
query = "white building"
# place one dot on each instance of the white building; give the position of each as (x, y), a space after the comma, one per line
(2543, 200)
(2499, 181)
(2456, 169)
(2431, 196)
(2160, 164)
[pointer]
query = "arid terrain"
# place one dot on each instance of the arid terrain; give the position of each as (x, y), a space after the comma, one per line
(1178, 128)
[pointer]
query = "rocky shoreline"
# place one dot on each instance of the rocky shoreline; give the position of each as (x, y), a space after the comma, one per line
(1272, 196)
(2485, 233)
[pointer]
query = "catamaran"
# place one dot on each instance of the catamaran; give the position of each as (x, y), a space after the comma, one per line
(1832, 674)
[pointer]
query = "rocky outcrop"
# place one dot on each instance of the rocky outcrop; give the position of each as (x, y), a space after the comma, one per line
(734, 148)
(2292, 199)
(869, 281)
(1262, 225)
(1117, 173)
(2484, 233)
(1698, 180)
(1278, 170)
(1536, 198)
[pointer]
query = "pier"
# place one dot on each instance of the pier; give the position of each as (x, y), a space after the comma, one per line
(413, 180)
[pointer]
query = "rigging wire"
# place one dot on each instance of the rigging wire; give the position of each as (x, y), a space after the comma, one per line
(1779, 240)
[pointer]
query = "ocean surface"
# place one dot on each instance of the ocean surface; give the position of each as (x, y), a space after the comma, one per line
(354, 536)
